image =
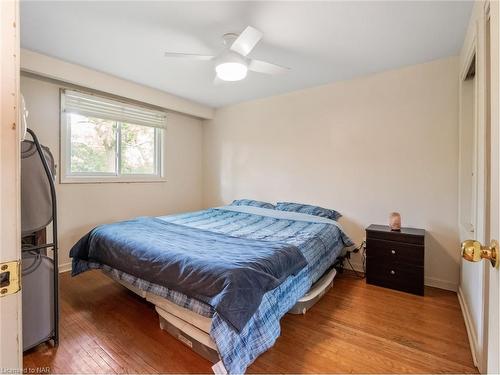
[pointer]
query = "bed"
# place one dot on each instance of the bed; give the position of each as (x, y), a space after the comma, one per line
(280, 256)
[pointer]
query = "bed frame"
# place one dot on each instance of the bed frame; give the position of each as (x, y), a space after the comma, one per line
(193, 330)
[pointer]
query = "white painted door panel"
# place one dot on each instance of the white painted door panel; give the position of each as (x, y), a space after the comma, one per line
(10, 235)
(493, 275)
(472, 179)
(479, 283)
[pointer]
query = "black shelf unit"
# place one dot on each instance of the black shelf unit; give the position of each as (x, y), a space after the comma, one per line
(53, 245)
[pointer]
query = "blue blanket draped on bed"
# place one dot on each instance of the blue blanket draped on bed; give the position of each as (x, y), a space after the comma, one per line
(229, 273)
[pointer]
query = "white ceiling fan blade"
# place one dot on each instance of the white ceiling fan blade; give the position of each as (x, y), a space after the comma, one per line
(246, 41)
(193, 56)
(266, 68)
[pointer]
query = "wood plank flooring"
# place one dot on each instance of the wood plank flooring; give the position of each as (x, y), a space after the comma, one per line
(355, 328)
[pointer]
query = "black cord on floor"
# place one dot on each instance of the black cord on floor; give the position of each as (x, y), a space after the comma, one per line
(347, 257)
(360, 275)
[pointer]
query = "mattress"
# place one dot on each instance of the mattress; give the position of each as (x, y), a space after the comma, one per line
(320, 240)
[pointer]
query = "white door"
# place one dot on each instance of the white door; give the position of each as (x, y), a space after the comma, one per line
(479, 207)
(10, 233)
(493, 275)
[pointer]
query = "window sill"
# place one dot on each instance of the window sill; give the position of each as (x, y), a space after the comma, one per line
(108, 180)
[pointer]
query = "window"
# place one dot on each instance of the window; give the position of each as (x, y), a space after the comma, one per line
(105, 140)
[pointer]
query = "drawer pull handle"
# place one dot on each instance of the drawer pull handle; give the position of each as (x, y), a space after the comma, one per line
(393, 252)
(393, 272)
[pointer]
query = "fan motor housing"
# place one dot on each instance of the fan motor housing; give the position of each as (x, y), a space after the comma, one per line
(229, 38)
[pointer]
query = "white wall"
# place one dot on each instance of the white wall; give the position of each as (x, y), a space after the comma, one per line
(366, 147)
(83, 206)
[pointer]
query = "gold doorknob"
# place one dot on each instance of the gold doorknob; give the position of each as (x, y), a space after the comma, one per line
(473, 251)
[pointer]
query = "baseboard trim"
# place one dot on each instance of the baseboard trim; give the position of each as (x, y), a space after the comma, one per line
(441, 284)
(64, 267)
(471, 334)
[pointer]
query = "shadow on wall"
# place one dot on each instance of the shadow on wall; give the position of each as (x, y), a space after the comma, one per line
(356, 231)
(442, 256)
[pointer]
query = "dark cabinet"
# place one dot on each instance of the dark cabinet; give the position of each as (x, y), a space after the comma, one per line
(395, 259)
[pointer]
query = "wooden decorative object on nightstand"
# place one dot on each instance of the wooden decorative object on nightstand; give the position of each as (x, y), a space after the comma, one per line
(395, 259)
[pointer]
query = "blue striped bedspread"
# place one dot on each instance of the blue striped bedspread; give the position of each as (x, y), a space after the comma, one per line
(319, 239)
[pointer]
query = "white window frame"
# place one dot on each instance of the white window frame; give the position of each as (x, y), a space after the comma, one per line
(67, 177)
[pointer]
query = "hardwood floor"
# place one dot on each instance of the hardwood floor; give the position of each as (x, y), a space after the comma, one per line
(355, 328)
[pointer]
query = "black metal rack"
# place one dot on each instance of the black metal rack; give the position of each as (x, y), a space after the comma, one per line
(54, 244)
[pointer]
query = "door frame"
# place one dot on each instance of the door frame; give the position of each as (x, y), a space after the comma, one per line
(10, 185)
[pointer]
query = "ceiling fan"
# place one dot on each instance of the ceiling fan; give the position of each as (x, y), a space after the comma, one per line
(232, 64)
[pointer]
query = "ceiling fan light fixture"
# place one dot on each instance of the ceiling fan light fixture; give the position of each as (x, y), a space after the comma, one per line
(232, 64)
(231, 71)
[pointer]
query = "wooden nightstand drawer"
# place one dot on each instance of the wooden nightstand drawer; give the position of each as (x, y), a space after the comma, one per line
(399, 276)
(395, 259)
(393, 251)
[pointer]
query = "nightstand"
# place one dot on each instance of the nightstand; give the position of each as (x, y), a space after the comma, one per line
(395, 259)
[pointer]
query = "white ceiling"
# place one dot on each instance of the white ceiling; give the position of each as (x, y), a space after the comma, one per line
(321, 42)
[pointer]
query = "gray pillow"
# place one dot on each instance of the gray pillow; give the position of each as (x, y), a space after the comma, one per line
(251, 202)
(308, 209)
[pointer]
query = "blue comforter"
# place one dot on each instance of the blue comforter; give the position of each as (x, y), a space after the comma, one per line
(229, 273)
